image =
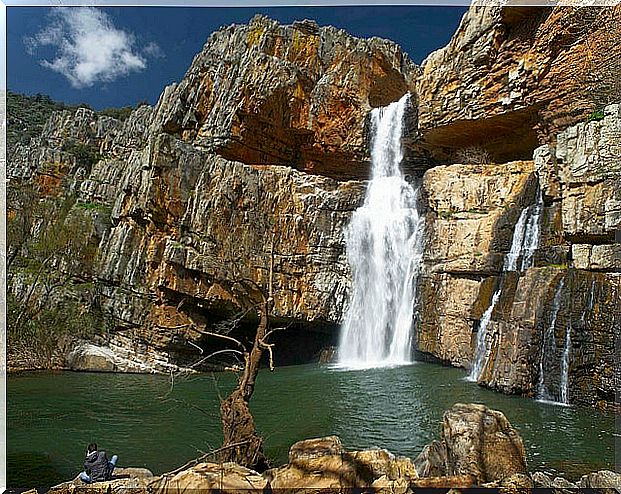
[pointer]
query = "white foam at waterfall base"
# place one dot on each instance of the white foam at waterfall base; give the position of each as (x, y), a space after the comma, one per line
(384, 243)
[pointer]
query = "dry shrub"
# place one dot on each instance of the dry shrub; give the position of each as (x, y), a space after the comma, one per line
(472, 155)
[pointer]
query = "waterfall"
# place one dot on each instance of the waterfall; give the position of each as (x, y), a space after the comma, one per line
(517, 243)
(481, 349)
(384, 242)
(564, 393)
(548, 345)
(532, 231)
(523, 246)
(525, 236)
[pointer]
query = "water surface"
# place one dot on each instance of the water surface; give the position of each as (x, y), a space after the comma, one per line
(148, 422)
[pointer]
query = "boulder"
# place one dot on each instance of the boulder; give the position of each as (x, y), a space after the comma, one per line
(132, 472)
(432, 461)
(563, 484)
(207, 477)
(515, 484)
(314, 448)
(323, 464)
(481, 442)
(541, 480)
(603, 479)
(138, 485)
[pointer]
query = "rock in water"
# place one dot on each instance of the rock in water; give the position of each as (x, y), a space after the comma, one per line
(481, 442)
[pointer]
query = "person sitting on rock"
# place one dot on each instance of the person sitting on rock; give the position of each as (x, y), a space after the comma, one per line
(97, 467)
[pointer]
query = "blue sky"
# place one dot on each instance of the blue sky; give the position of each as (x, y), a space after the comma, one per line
(119, 56)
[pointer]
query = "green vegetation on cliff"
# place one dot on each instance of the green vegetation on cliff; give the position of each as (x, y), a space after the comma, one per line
(51, 299)
(26, 116)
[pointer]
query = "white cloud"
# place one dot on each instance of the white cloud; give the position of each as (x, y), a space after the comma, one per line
(153, 50)
(88, 48)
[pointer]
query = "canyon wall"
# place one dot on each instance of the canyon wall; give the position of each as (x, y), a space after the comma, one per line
(473, 210)
(249, 170)
(203, 191)
(509, 81)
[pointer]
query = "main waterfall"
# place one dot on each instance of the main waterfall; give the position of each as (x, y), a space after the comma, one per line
(384, 243)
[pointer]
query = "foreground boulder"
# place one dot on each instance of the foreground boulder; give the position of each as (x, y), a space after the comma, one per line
(323, 464)
(206, 477)
(476, 441)
(604, 479)
(478, 445)
(130, 479)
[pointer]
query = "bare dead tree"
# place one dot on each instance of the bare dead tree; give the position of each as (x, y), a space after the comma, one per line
(242, 443)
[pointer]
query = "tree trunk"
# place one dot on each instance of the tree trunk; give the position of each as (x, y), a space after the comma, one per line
(242, 444)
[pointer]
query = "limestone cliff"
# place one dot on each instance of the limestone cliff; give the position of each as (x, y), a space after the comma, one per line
(506, 83)
(512, 78)
(266, 94)
(204, 190)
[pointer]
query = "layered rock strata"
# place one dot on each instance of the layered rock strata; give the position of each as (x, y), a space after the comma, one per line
(241, 172)
(512, 78)
(473, 212)
(189, 197)
(298, 95)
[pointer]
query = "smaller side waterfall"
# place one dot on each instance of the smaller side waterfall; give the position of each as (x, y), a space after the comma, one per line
(564, 392)
(548, 345)
(532, 231)
(525, 237)
(481, 349)
(523, 246)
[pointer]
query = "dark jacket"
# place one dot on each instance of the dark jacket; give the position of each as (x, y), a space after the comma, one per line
(97, 466)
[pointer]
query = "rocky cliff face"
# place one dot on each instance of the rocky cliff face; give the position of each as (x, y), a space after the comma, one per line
(497, 85)
(576, 262)
(266, 94)
(514, 77)
(244, 169)
(202, 191)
